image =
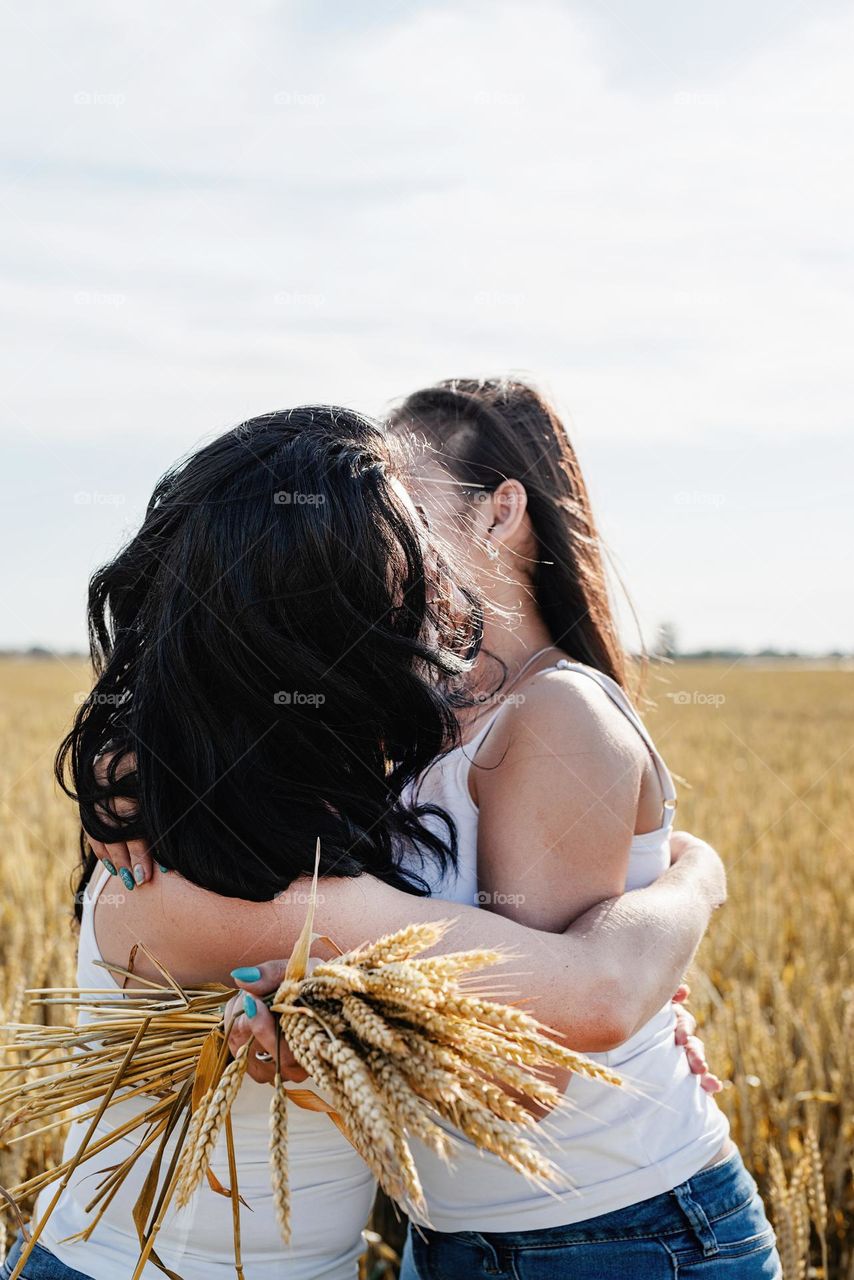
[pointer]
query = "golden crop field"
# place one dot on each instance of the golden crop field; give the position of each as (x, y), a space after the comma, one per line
(766, 756)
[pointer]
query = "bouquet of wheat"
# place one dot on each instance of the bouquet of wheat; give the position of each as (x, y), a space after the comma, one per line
(399, 1042)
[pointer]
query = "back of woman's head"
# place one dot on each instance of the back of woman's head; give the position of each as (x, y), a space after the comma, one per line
(490, 430)
(270, 648)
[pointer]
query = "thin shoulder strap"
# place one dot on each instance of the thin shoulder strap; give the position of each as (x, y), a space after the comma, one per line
(88, 950)
(94, 886)
(474, 744)
(483, 732)
(618, 697)
(96, 882)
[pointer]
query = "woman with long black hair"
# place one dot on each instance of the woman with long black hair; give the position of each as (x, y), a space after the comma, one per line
(273, 653)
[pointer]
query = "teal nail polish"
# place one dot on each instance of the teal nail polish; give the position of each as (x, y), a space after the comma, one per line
(126, 878)
(160, 867)
(110, 867)
(250, 974)
(250, 1008)
(139, 873)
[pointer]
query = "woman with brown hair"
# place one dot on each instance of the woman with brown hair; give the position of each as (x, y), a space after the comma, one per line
(561, 800)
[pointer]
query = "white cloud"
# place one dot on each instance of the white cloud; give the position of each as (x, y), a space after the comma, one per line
(216, 209)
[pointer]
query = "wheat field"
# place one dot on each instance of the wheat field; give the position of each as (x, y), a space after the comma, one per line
(765, 756)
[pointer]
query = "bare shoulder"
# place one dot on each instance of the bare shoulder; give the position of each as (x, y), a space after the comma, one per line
(570, 714)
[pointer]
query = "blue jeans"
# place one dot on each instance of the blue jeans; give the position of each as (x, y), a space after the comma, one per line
(41, 1265)
(712, 1227)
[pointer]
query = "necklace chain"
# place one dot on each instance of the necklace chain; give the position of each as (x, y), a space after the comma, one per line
(525, 665)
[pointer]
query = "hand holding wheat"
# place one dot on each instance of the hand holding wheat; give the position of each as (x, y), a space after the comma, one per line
(402, 1043)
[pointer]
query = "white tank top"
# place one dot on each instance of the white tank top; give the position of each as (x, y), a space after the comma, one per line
(615, 1147)
(331, 1189)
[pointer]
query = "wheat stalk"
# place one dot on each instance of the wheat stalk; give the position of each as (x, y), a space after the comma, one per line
(399, 1046)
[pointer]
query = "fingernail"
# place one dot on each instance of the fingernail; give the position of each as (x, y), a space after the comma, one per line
(160, 867)
(250, 1008)
(126, 878)
(110, 867)
(139, 873)
(249, 974)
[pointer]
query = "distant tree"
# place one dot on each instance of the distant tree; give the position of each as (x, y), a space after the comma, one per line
(666, 642)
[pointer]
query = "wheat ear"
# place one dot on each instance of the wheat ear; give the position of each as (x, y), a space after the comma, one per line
(196, 1157)
(279, 1158)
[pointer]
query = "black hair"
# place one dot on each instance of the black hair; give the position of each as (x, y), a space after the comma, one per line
(274, 652)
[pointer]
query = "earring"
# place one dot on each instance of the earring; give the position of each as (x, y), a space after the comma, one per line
(491, 549)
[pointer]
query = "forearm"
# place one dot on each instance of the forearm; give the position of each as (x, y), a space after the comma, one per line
(609, 972)
(606, 975)
(574, 981)
(640, 944)
(553, 975)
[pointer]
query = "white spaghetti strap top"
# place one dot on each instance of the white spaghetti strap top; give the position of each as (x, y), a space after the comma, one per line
(331, 1188)
(615, 1147)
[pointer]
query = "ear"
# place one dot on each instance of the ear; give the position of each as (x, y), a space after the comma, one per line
(509, 505)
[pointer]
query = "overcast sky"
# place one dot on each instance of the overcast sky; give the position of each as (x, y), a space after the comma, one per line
(213, 209)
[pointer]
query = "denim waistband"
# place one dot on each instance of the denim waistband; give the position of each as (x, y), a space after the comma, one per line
(721, 1189)
(42, 1264)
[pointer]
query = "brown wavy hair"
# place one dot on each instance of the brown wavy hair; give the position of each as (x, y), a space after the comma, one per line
(487, 431)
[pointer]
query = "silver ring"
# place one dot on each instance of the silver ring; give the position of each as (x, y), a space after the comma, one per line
(263, 1057)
